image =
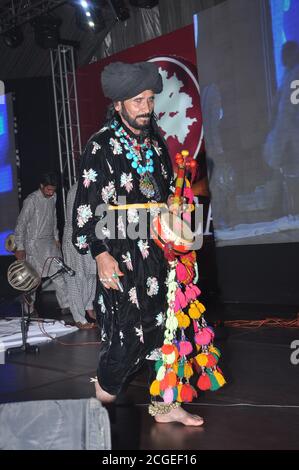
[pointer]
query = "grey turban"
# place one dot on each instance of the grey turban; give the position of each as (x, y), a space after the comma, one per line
(121, 81)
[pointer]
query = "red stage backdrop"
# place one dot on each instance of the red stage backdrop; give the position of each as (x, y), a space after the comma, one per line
(177, 107)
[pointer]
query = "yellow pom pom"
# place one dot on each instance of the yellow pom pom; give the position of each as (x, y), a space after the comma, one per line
(185, 153)
(201, 359)
(179, 387)
(200, 306)
(219, 377)
(194, 313)
(179, 316)
(188, 371)
(155, 388)
(214, 350)
(185, 321)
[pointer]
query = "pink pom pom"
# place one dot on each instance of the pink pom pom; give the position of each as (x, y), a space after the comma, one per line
(177, 305)
(181, 298)
(185, 347)
(188, 193)
(181, 272)
(211, 331)
(203, 337)
(168, 395)
(189, 293)
(196, 290)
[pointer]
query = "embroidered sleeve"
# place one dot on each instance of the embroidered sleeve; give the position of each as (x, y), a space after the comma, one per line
(95, 186)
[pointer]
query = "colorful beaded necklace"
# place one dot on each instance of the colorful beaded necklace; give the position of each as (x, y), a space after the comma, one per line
(134, 154)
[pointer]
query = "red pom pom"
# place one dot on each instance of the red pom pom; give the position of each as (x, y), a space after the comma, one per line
(164, 383)
(187, 393)
(168, 348)
(204, 382)
(212, 361)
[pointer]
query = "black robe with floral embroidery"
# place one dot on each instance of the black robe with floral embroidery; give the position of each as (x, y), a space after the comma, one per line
(131, 322)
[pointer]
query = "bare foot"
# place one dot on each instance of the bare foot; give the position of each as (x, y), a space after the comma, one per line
(85, 326)
(180, 415)
(103, 396)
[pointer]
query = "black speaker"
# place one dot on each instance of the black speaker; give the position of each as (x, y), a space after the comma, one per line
(55, 425)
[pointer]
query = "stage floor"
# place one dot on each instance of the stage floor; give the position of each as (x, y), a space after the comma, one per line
(257, 409)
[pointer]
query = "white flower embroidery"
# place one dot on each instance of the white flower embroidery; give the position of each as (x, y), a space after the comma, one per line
(154, 211)
(116, 146)
(163, 171)
(83, 215)
(139, 333)
(160, 319)
(133, 216)
(133, 296)
(101, 303)
(144, 248)
(126, 181)
(152, 286)
(157, 148)
(89, 176)
(154, 355)
(121, 226)
(128, 261)
(95, 148)
(108, 192)
(81, 242)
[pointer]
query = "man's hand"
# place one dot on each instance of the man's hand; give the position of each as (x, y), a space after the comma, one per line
(58, 244)
(107, 269)
(20, 254)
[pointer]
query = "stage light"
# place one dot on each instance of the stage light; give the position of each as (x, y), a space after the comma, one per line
(90, 20)
(144, 3)
(46, 31)
(13, 38)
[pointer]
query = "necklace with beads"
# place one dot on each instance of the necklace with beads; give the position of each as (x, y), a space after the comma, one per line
(134, 151)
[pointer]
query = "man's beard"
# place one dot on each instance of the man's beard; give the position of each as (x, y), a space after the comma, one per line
(133, 122)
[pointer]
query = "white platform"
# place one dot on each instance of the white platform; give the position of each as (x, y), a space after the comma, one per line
(11, 336)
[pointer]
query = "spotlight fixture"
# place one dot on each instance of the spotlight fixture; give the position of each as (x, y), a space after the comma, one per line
(46, 31)
(89, 17)
(14, 37)
(144, 3)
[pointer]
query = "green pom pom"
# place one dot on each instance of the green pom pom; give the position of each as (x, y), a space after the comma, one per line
(181, 370)
(214, 383)
(175, 393)
(158, 364)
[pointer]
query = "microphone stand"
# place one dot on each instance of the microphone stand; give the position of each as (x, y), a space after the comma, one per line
(26, 300)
